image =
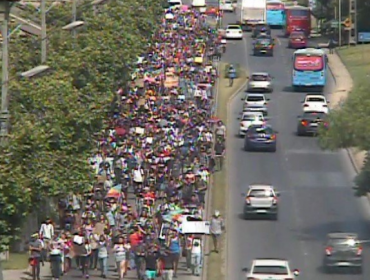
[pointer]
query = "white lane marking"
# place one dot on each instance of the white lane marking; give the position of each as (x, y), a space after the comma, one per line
(278, 40)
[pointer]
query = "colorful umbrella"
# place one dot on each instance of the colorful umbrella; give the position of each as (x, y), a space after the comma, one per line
(113, 193)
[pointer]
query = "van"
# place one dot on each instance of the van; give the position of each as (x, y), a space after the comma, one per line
(198, 3)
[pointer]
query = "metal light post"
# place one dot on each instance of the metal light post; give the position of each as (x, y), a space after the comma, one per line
(4, 114)
(340, 23)
(43, 32)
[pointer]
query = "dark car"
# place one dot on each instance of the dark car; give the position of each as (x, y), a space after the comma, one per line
(261, 29)
(263, 45)
(261, 138)
(343, 250)
(309, 123)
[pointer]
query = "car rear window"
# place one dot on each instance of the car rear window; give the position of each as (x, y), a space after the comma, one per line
(276, 270)
(343, 243)
(255, 98)
(233, 27)
(315, 99)
(261, 193)
(252, 118)
(260, 78)
(261, 130)
(297, 35)
(314, 115)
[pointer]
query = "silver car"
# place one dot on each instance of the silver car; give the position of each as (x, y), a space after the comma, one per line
(260, 82)
(261, 200)
(255, 102)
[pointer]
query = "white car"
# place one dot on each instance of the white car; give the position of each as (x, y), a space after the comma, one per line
(315, 103)
(268, 269)
(249, 118)
(227, 6)
(234, 32)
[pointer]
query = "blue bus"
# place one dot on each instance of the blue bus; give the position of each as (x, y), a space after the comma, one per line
(309, 68)
(275, 13)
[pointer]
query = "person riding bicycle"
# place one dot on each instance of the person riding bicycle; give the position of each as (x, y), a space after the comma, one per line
(231, 74)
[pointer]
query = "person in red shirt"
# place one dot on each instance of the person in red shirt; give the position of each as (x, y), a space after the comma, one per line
(136, 238)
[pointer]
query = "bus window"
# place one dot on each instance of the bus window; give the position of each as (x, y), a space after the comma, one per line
(308, 63)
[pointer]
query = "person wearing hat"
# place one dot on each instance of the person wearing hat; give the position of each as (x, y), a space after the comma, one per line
(35, 248)
(216, 229)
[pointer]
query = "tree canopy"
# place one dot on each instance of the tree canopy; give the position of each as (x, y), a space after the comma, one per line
(54, 117)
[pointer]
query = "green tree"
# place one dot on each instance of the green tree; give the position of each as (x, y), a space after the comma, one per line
(54, 117)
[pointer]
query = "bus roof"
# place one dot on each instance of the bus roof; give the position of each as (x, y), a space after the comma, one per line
(297, 8)
(310, 51)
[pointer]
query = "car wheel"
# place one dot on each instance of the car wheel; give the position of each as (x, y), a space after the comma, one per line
(246, 216)
(358, 270)
(328, 269)
(273, 150)
(299, 132)
(246, 148)
(275, 216)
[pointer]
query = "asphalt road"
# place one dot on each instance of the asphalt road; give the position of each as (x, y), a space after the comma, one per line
(315, 185)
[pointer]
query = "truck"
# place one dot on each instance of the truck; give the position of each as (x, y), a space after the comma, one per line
(252, 12)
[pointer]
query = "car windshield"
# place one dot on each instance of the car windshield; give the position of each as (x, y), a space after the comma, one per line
(228, 3)
(315, 99)
(255, 98)
(261, 193)
(260, 78)
(343, 243)
(276, 270)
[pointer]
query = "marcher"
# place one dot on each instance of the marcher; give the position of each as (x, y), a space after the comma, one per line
(103, 255)
(216, 228)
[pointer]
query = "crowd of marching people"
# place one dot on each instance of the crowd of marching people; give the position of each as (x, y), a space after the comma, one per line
(152, 165)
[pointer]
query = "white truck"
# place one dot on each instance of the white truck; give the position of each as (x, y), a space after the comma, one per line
(252, 12)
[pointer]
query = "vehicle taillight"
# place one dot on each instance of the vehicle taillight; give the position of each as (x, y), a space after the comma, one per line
(324, 105)
(328, 251)
(274, 201)
(265, 103)
(288, 279)
(248, 201)
(359, 251)
(273, 137)
(306, 105)
(251, 278)
(304, 123)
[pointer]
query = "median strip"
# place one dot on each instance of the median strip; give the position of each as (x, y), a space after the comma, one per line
(216, 262)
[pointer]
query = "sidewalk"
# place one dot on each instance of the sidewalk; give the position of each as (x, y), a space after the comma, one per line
(25, 274)
(344, 85)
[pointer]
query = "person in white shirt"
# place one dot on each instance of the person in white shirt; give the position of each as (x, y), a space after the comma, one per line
(138, 176)
(47, 232)
(196, 255)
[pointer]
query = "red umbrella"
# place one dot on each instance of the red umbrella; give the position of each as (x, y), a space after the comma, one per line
(214, 119)
(120, 131)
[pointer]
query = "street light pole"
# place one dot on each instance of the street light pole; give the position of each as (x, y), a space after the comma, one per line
(4, 117)
(74, 16)
(43, 32)
(340, 23)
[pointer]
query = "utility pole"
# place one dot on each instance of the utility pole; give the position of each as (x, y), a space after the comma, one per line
(4, 114)
(43, 32)
(352, 33)
(340, 23)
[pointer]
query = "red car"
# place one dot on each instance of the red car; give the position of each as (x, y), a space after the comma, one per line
(297, 40)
